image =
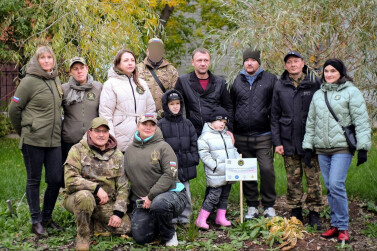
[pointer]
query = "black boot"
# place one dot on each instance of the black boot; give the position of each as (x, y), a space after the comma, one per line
(314, 219)
(297, 212)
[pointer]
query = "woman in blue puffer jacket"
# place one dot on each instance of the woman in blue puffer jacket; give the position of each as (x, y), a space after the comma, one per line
(325, 135)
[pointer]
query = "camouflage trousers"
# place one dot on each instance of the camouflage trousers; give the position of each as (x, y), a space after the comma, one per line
(295, 168)
(92, 218)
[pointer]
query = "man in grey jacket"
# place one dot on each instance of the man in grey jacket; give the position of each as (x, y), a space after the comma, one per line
(80, 103)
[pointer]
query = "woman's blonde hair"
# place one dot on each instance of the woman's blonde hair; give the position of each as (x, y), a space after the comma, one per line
(45, 49)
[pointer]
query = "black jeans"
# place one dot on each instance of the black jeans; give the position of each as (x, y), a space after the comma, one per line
(34, 158)
(147, 223)
(216, 196)
(65, 150)
(261, 148)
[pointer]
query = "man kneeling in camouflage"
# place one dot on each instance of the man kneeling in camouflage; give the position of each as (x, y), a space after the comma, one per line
(96, 187)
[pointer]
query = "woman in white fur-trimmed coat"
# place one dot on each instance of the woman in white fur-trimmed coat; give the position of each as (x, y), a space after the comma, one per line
(124, 98)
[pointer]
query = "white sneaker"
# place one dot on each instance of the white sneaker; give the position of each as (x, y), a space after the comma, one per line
(269, 212)
(252, 212)
(173, 242)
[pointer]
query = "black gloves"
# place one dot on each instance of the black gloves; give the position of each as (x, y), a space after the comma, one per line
(361, 157)
(308, 157)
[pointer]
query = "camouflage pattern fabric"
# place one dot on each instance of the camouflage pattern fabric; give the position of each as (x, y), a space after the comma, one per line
(168, 76)
(84, 169)
(295, 167)
(91, 218)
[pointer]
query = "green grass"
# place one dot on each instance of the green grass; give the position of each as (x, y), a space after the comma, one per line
(15, 230)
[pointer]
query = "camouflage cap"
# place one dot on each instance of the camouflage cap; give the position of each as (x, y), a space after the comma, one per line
(148, 117)
(97, 122)
(76, 60)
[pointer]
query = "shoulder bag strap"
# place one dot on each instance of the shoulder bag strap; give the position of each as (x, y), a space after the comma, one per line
(331, 111)
(156, 78)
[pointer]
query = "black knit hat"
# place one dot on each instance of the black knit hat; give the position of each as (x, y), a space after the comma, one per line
(337, 64)
(250, 53)
(218, 113)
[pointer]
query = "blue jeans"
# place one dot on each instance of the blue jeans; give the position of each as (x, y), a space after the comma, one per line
(334, 170)
(147, 223)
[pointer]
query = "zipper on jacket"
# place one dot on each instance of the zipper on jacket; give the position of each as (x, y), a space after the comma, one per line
(133, 94)
(226, 150)
(200, 110)
(53, 98)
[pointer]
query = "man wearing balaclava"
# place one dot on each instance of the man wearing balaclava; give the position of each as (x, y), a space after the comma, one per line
(158, 72)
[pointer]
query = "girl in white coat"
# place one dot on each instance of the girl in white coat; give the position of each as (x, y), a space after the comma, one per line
(215, 146)
(124, 98)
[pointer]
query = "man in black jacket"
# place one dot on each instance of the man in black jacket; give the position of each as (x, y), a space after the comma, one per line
(251, 94)
(290, 106)
(202, 91)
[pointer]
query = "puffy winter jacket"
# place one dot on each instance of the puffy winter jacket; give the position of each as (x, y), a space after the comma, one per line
(180, 134)
(199, 102)
(214, 148)
(290, 107)
(347, 102)
(35, 110)
(252, 104)
(121, 105)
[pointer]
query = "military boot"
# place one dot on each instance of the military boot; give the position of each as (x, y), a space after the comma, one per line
(83, 229)
(297, 212)
(314, 220)
(82, 243)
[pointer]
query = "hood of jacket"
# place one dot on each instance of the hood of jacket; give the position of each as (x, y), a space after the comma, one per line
(167, 113)
(155, 138)
(335, 87)
(113, 74)
(111, 146)
(33, 67)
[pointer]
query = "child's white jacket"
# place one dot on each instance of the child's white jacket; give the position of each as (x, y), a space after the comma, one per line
(214, 148)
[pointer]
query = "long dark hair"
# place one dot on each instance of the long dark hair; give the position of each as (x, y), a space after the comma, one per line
(340, 67)
(135, 73)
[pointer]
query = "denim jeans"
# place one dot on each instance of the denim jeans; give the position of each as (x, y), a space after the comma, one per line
(147, 223)
(334, 170)
(34, 158)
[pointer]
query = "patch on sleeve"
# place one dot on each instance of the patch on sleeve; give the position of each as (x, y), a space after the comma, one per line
(15, 99)
(173, 168)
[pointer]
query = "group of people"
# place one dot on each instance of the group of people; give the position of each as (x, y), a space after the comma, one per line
(126, 150)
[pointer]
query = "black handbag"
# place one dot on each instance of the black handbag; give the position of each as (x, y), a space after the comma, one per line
(349, 131)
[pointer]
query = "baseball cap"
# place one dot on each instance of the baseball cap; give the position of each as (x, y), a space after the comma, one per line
(148, 117)
(76, 60)
(99, 121)
(294, 54)
(173, 96)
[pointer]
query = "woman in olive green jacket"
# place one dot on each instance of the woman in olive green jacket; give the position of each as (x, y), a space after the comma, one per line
(35, 112)
(325, 135)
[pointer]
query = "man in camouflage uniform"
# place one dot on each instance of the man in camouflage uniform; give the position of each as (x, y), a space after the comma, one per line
(165, 71)
(290, 106)
(96, 186)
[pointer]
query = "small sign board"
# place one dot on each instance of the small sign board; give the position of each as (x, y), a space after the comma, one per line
(241, 169)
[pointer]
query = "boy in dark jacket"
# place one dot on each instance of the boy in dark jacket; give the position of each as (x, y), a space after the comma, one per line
(180, 134)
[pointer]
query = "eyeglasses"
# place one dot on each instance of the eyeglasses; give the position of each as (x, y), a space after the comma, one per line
(100, 131)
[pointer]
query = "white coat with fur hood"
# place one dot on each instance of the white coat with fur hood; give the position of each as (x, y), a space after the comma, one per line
(121, 105)
(214, 148)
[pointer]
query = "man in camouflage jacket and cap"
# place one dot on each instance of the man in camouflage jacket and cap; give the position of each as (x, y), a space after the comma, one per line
(96, 187)
(165, 72)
